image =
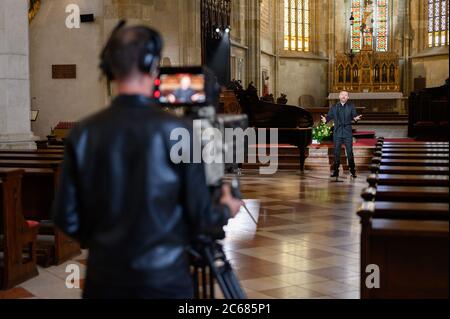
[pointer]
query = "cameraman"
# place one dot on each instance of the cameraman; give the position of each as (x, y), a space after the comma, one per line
(122, 197)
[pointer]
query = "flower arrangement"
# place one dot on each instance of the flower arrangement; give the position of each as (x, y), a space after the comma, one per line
(320, 132)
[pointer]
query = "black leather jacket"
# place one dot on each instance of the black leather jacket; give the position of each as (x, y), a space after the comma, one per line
(122, 197)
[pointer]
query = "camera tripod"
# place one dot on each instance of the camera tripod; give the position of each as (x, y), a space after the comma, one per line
(210, 264)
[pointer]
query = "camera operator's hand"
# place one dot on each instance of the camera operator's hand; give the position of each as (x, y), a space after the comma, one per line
(227, 199)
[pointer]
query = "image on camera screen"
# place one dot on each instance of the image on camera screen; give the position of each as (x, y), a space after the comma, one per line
(187, 89)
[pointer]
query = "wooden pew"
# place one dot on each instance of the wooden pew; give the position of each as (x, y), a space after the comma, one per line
(428, 113)
(407, 155)
(36, 156)
(407, 180)
(50, 147)
(39, 188)
(404, 222)
(381, 140)
(407, 162)
(432, 144)
(17, 236)
(413, 147)
(411, 255)
(395, 193)
(30, 163)
(38, 151)
(409, 170)
(412, 150)
(403, 210)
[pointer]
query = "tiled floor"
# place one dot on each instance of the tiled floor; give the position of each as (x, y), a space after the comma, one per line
(305, 245)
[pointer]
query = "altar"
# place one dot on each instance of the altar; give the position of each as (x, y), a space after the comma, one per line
(375, 101)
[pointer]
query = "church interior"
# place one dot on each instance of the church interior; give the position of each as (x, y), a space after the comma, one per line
(301, 234)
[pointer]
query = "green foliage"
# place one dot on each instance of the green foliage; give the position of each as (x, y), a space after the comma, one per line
(321, 131)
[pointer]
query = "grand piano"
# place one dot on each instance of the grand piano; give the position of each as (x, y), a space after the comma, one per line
(294, 123)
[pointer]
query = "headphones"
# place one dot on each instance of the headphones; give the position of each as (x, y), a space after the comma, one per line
(148, 59)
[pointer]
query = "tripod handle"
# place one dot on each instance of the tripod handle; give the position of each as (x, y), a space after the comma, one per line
(235, 188)
(236, 192)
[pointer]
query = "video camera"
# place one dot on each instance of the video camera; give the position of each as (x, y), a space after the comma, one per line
(193, 93)
(188, 87)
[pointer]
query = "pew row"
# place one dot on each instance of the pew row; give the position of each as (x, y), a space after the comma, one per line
(382, 140)
(406, 194)
(400, 210)
(34, 156)
(411, 149)
(404, 221)
(407, 180)
(441, 145)
(18, 237)
(409, 170)
(38, 151)
(411, 255)
(414, 143)
(39, 188)
(407, 162)
(390, 155)
(422, 144)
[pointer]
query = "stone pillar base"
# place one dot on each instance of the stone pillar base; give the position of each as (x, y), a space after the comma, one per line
(18, 141)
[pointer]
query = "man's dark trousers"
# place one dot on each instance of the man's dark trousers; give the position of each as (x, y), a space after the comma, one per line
(348, 142)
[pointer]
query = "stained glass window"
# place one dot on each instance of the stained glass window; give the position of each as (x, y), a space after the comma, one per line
(374, 16)
(296, 25)
(437, 23)
(381, 25)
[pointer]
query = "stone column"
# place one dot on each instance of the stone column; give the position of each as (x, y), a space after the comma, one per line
(331, 41)
(254, 42)
(407, 37)
(15, 126)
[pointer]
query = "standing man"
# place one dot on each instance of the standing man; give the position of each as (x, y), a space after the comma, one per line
(120, 194)
(185, 93)
(343, 114)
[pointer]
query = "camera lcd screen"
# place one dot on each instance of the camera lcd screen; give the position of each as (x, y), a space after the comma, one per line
(182, 89)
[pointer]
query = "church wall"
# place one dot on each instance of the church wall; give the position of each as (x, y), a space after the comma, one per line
(238, 41)
(177, 20)
(303, 77)
(267, 26)
(433, 68)
(306, 73)
(238, 66)
(268, 36)
(52, 43)
(238, 21)
(268, 68)
(431, 63)
(245, 39)
(340, 25)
